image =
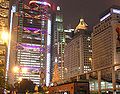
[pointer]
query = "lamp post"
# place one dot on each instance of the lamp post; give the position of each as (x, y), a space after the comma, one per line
(4, 37)
(18, 70)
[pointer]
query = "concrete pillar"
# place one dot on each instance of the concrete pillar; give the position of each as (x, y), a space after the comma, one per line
(78, 78)
(113, 80)
(99, 82)
(87, 76)
(94, 85)
(114, 92)
(105, 86)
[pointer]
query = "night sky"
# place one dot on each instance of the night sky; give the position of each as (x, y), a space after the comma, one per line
(88, 9)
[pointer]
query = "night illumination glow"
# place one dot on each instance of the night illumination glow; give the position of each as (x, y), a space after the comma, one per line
(37, 49)
(4, 36)
(58, 8)
(30, 46)
(116, 11)
(70, 30)
(16, 69)
(24, 70)
(20, 79)
(48, 53)
(105, 17)
(39, 2)
(32, 29)
(9, 41)
(33, 67)
(34, 47)
(112, 11)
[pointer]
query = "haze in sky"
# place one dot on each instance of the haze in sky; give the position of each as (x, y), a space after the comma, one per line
(88, 9)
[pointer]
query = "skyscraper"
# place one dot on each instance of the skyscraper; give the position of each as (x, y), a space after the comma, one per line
(78, 52)
(58, 40)
(31, 41)
(105, 40)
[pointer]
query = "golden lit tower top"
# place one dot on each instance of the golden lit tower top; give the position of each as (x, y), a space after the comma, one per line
(82, 25)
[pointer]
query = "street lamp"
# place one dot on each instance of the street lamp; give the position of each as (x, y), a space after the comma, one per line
(4, 37)
(16, 69)
(90, 59)
(24, 70)
(20, 79)
(19, 70)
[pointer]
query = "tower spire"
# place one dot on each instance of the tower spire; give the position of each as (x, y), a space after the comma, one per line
(82, 25)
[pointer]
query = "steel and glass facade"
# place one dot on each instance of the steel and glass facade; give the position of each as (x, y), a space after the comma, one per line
(32, 39)
(106, 42)
(58, 42)
(78, 54)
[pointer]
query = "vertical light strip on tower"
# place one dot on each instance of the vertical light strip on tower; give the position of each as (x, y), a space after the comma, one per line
(9, 41)
(48, 53)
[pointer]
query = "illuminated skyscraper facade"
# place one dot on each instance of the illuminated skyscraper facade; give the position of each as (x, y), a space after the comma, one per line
(31, 40)
(78, 52)
(106, 41)
(58, 41)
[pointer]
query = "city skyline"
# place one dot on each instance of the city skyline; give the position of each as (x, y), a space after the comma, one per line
(87, 10)
(53, 42)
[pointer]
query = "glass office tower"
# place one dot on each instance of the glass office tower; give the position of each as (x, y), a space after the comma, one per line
(58, 41)
(31, 39)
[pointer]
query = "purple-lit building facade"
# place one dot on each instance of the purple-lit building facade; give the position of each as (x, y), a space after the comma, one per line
(30, 41)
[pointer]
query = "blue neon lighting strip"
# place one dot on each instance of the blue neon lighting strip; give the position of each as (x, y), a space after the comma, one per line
(48, 53)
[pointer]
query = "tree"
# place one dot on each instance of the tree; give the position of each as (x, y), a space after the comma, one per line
(25, 86)
(2, 80)
(40, 89)
(56, 75)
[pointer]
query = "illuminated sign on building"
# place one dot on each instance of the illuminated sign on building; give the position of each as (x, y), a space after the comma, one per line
(105, 17)
(116, 11)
